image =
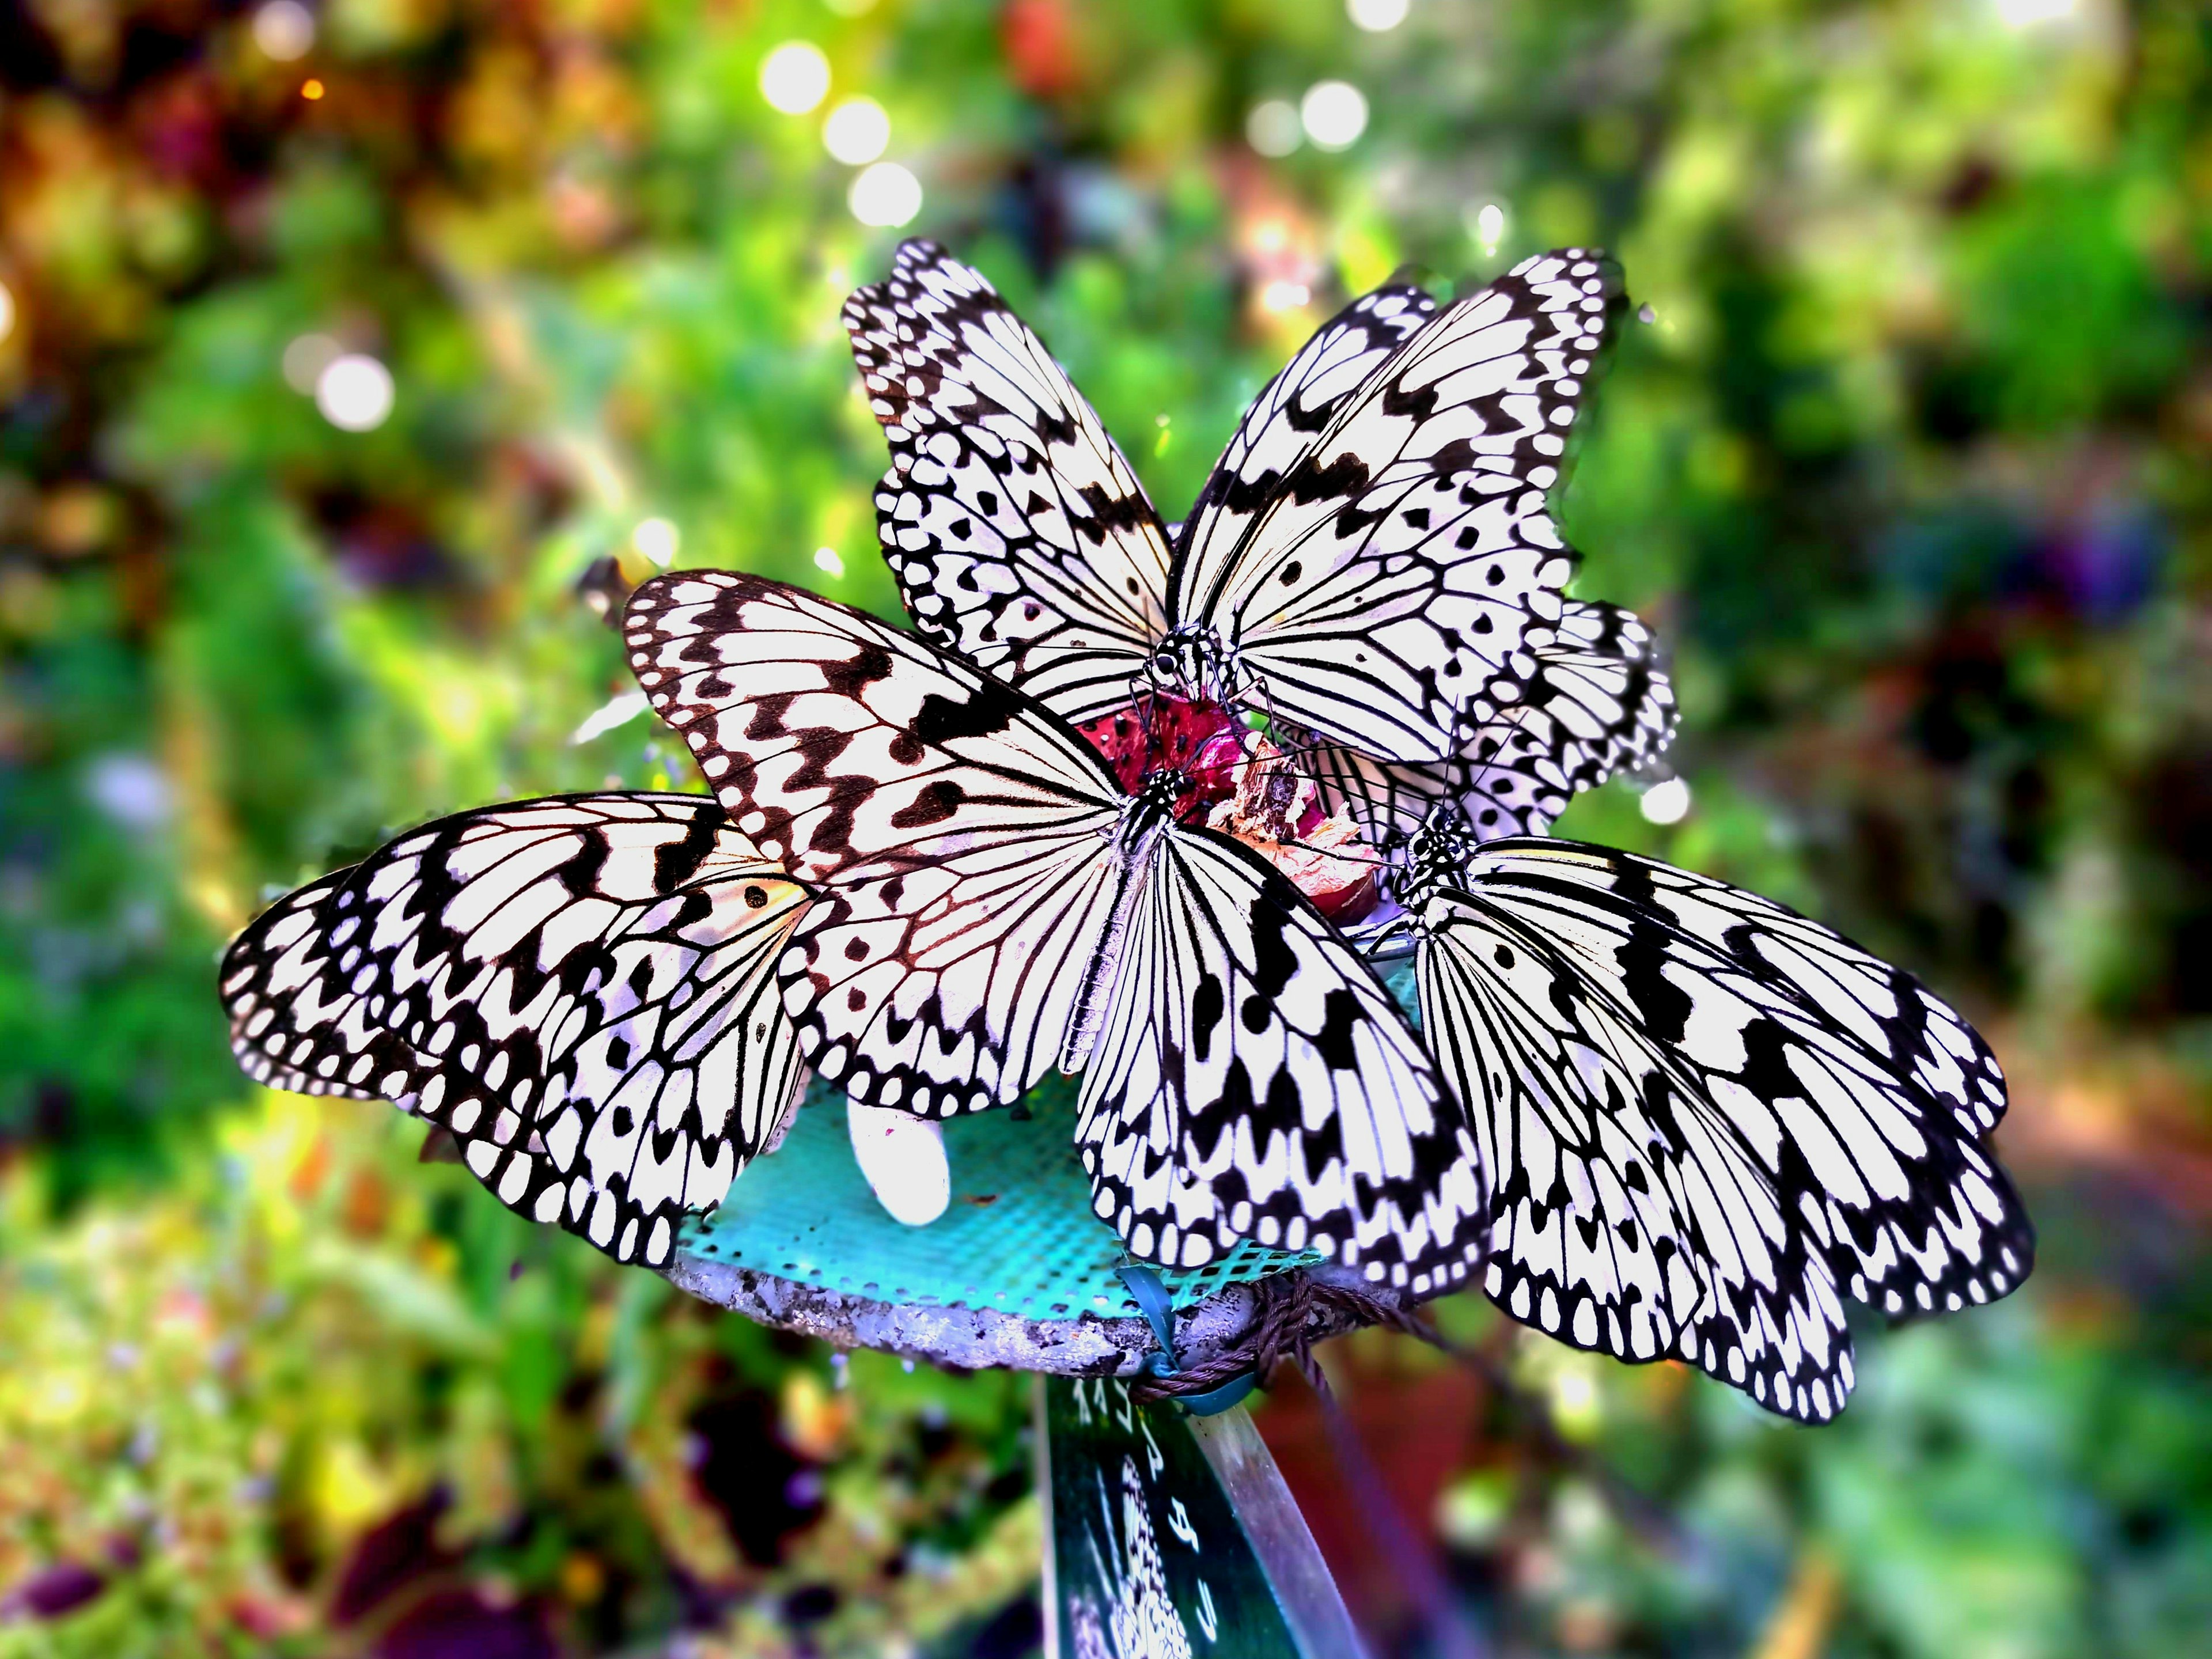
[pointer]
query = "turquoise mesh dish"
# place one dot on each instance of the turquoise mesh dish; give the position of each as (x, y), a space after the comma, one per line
(1017, 1271)
(1019, 1237)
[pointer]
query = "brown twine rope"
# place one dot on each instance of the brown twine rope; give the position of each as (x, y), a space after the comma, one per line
(1292, 1311)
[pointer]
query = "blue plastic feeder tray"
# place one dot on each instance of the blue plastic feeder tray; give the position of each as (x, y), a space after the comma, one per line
(1017, 1271)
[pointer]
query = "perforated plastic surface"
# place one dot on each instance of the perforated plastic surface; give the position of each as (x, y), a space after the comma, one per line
(1018, 1238)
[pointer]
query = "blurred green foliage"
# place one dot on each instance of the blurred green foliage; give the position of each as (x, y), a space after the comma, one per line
(1908, 468)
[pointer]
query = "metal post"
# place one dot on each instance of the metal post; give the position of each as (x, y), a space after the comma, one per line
(1173, 1537)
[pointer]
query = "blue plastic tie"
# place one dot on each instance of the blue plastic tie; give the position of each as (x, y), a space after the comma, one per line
(1152, 1301)
(1159, 1308)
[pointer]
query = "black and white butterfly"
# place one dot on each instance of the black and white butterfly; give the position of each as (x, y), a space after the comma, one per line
(1707, 1119)
(581, 988)
(986, 901)
(1372, 554)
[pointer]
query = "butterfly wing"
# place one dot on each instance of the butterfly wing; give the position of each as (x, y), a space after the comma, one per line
(1292, 410)
(1017, 530)
(1598, 702)
(1255, 1081)
(1711, 1119)
(581, 988)
(957, 838)
(1394, 574)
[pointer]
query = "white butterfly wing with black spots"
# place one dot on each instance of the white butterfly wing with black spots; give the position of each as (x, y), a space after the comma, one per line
(955, 836)
(1598, 702)
(581, 988)
(1292, 411)
(1396, 573)
(975, 882)
(1254, 1079)
(1711, 1119)
(1017, 530)
(1624, 1219)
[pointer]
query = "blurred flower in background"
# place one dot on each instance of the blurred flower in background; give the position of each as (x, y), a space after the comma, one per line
(355, 358)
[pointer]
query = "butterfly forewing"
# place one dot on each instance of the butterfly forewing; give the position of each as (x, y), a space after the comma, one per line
(1288, 417)
(1598, 702)
(1805, 1120)
(957, 836)
(837, 740)
(581, 988)
(1017, 530)
(1392, 577)
(1626, 1218)
(1253, 1079)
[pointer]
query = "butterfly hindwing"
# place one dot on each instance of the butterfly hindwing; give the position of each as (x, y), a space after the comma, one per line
(1017, 530)
(951, 989)
(1392, 576)
(1254, 1079)
(1711, 1118)
(581, 988)
(1597, 702)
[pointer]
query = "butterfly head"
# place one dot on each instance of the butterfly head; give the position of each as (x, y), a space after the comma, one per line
(1192, 661)
(1435, 856)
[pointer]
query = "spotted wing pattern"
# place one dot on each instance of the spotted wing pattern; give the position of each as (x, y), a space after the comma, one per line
(957, 837)
(1017, 530)
(1709, 1119)
(1255, 1080)
(973, 888)
(581, 988)
(1398, 569)
(1292, 411)
(1598, 702)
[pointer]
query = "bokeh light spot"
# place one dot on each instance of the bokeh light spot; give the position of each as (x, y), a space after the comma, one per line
(307, 358)
(885, 195)
(794, 77)
(857, 131)
(355, 392)
(1333, 114)
(657, 538)
(284, 30)
(1376, 15)
(1666, 802)
(1273, 127)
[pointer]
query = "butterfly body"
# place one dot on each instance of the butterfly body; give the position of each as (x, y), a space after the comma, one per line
(1157, 803)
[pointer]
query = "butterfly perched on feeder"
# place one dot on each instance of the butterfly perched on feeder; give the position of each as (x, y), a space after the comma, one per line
(1652, 1196)
(987, 901)
(579, 989)
(1371, 554)
(1707, 1120)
